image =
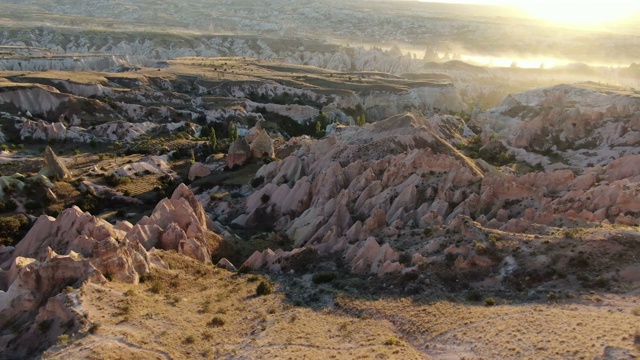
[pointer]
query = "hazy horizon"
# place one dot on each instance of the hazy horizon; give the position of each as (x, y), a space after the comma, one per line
(582, 13)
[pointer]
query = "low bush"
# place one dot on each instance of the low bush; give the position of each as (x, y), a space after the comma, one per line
(392, 342)
(114, 180)
(13, 229)
(156, 287)
(7, 206)
(264, 288)
(217, 321)
(257, 181)
(474, 296)
(323, 277)
(190, 339)
(94, 327)
(44, 325)
(489, 301)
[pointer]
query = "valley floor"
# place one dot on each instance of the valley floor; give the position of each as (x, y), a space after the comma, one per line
(196, 311)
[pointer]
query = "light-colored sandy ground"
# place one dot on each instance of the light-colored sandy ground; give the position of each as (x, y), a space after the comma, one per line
(173, 323)
(170, 317)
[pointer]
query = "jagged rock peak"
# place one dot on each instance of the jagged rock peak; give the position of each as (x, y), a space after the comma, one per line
(183, 192)
(53, 166)
(262, 146)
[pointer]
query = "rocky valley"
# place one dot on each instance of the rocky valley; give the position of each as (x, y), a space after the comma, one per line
(235, 189)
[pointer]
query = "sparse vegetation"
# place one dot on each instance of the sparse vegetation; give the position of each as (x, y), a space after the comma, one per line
(232, 132)
(213, 139)
(324, 277)
(156, 287)
(94, 327)
(217, 321)
(392, 342)
(264, 288)
(115, 180)
(44, 325)
(489, 301)
(190, 339)
(63, 339)
(13, 228)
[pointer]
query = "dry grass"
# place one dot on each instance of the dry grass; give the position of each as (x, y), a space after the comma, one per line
(577, 330)
(175, 322)
(194, 310)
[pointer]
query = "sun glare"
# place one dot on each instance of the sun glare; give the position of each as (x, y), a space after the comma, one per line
(571, 12)
(579, 12)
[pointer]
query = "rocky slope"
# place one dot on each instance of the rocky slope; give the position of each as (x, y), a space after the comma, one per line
(75, 248)
(187, 94)
(400, 188)
(398, 199)
(588, 125)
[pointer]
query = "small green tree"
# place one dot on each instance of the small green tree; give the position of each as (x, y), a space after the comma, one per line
(361, 120)
(322, 120)
(213, 140)
(233, 132)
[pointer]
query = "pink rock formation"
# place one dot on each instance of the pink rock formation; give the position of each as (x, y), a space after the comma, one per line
(226, 264)
(122, 261)
(198, 170)
(394, 176)
(37, 281)
(262, 146)
(239, 153)
(369, 257)
(91, 249)
(53, 167)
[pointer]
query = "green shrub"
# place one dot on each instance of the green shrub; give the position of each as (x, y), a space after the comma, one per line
(489, 301)
(7, 206)
(323, 277)
(264, 288)
(474, 296)
(94, 327)
(302, 261)
(493, 238)
(156, 287)
(217, 321)
(392, 342)
(190, 339)
(44, 325)
(63, 339)
(114, 180)
(257, 181)
(13, 229)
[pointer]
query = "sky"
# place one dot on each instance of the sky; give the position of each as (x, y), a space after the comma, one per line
(583, 12)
